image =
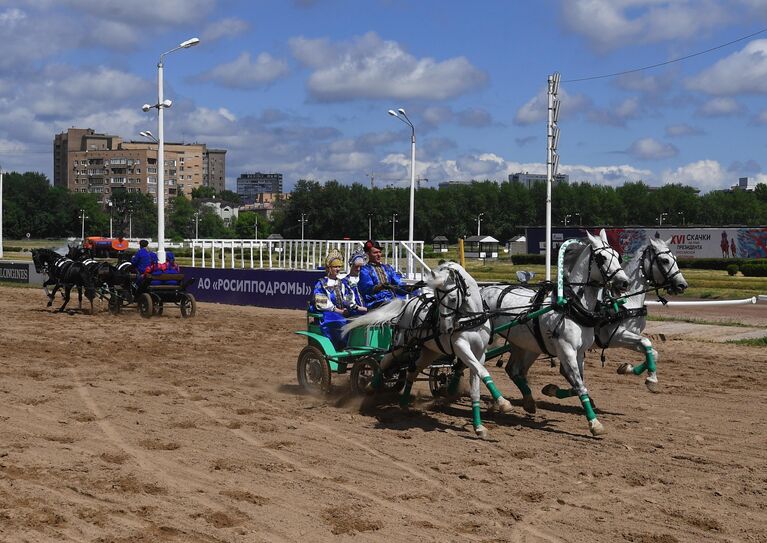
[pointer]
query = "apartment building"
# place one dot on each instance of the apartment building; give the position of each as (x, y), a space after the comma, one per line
(85, 161)
(250, 185)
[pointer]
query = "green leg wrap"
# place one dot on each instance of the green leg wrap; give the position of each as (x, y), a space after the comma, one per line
(475, 414)
(639, 370)
(452, 386)
(586, 402)
(404, 399)
(521, 383)
(650, 359)
(491, 387)
(565, 393)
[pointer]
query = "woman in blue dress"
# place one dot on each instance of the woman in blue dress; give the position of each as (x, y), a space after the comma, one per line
(333, 298)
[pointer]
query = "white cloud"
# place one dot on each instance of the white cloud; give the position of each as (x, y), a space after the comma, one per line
(243, 73)
(146, 12)
(618, 114)
(536, 109)
(371, 68)
(682, 129)
(651, 149)
(610, 24)
(475, 117)
(740, 73)
(704, 174)
(225, 28)
(720, 107)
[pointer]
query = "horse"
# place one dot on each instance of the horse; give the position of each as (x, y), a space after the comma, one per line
(64, 272)
(451, 322)
(566, 331)
(652, 267)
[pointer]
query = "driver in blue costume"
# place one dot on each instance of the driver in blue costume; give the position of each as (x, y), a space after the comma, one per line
(334, 299)
(144, 260)
(379, 283)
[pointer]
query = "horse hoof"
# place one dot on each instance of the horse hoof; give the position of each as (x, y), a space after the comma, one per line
(596, 428)
(49, 304)
(652, 385)
(550, 390)
(625, 369)
(528, 404)
(503, 405)
(481, 431)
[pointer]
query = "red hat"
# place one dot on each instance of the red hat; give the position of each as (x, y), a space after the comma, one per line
(370, 244)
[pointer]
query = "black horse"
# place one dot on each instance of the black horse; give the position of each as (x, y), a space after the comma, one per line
(107, 279)
(65, 273)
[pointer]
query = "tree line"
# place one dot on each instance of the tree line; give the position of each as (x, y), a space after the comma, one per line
(332, 210)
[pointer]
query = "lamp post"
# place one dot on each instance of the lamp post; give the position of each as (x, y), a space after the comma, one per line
(479, 221)
(393, 222)
(571, 215)
(370, 226)
(82, 216)
(402, 116)
(255, 225)
(661, 217)
(196, 225)
(161, 105)
(130, 223)
(1, 213)
(303, 221)
(682, 214)
(109, 203)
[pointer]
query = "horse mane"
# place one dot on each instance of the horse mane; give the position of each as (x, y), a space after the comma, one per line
(572, 253)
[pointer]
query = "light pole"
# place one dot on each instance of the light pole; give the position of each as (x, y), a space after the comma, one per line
(402, 116)
(130, 223)
(109, 203)
(255, 225)
(161, 105)
(661, 217)
(82, 216)
(479, 221)
(196, 225)
(370, 226)
(569, 216)
(303, 221)
(393, 222)
(682, 214)
(1, 213)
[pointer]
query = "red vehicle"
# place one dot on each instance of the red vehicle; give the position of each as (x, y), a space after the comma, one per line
(97, 246)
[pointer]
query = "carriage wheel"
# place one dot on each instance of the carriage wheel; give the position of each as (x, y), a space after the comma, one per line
(313, 370)
(439, 378)
(188, 305)
(365, 368)
(145, 305)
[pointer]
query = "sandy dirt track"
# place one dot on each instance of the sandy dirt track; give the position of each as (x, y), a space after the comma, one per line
(120, 429)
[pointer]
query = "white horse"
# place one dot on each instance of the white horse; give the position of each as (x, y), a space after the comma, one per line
(452, 322)
(652, 267)
(565, 332)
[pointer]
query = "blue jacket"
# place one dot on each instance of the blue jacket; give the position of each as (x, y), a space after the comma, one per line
(143, 259)
(371, 275)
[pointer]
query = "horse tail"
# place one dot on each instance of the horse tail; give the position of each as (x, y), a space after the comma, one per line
(377, 317)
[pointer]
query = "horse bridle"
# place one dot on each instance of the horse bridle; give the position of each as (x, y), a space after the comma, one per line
(459, 285)
(597, 256)
(652, 261)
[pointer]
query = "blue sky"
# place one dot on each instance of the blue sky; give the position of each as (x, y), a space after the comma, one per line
(302, 87)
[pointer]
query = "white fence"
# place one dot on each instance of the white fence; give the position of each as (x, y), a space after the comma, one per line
(293, 254)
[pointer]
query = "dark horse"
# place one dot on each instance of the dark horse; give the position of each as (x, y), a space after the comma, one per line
(65, 273)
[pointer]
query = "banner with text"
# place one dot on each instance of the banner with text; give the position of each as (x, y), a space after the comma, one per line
(683, 242)
(20, 272)
(286, 289)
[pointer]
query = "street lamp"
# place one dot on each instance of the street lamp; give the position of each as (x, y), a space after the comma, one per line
(255, 225)
(82, 216)
(661, 217)
(130, 223)
(303, 221)
(571, 215)
(196, 225)
(109, 203)
(479, 221)
(1, 213)
(370, 226)
(402, 116)
(161, 105)
(682, 214)
(393, 222)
